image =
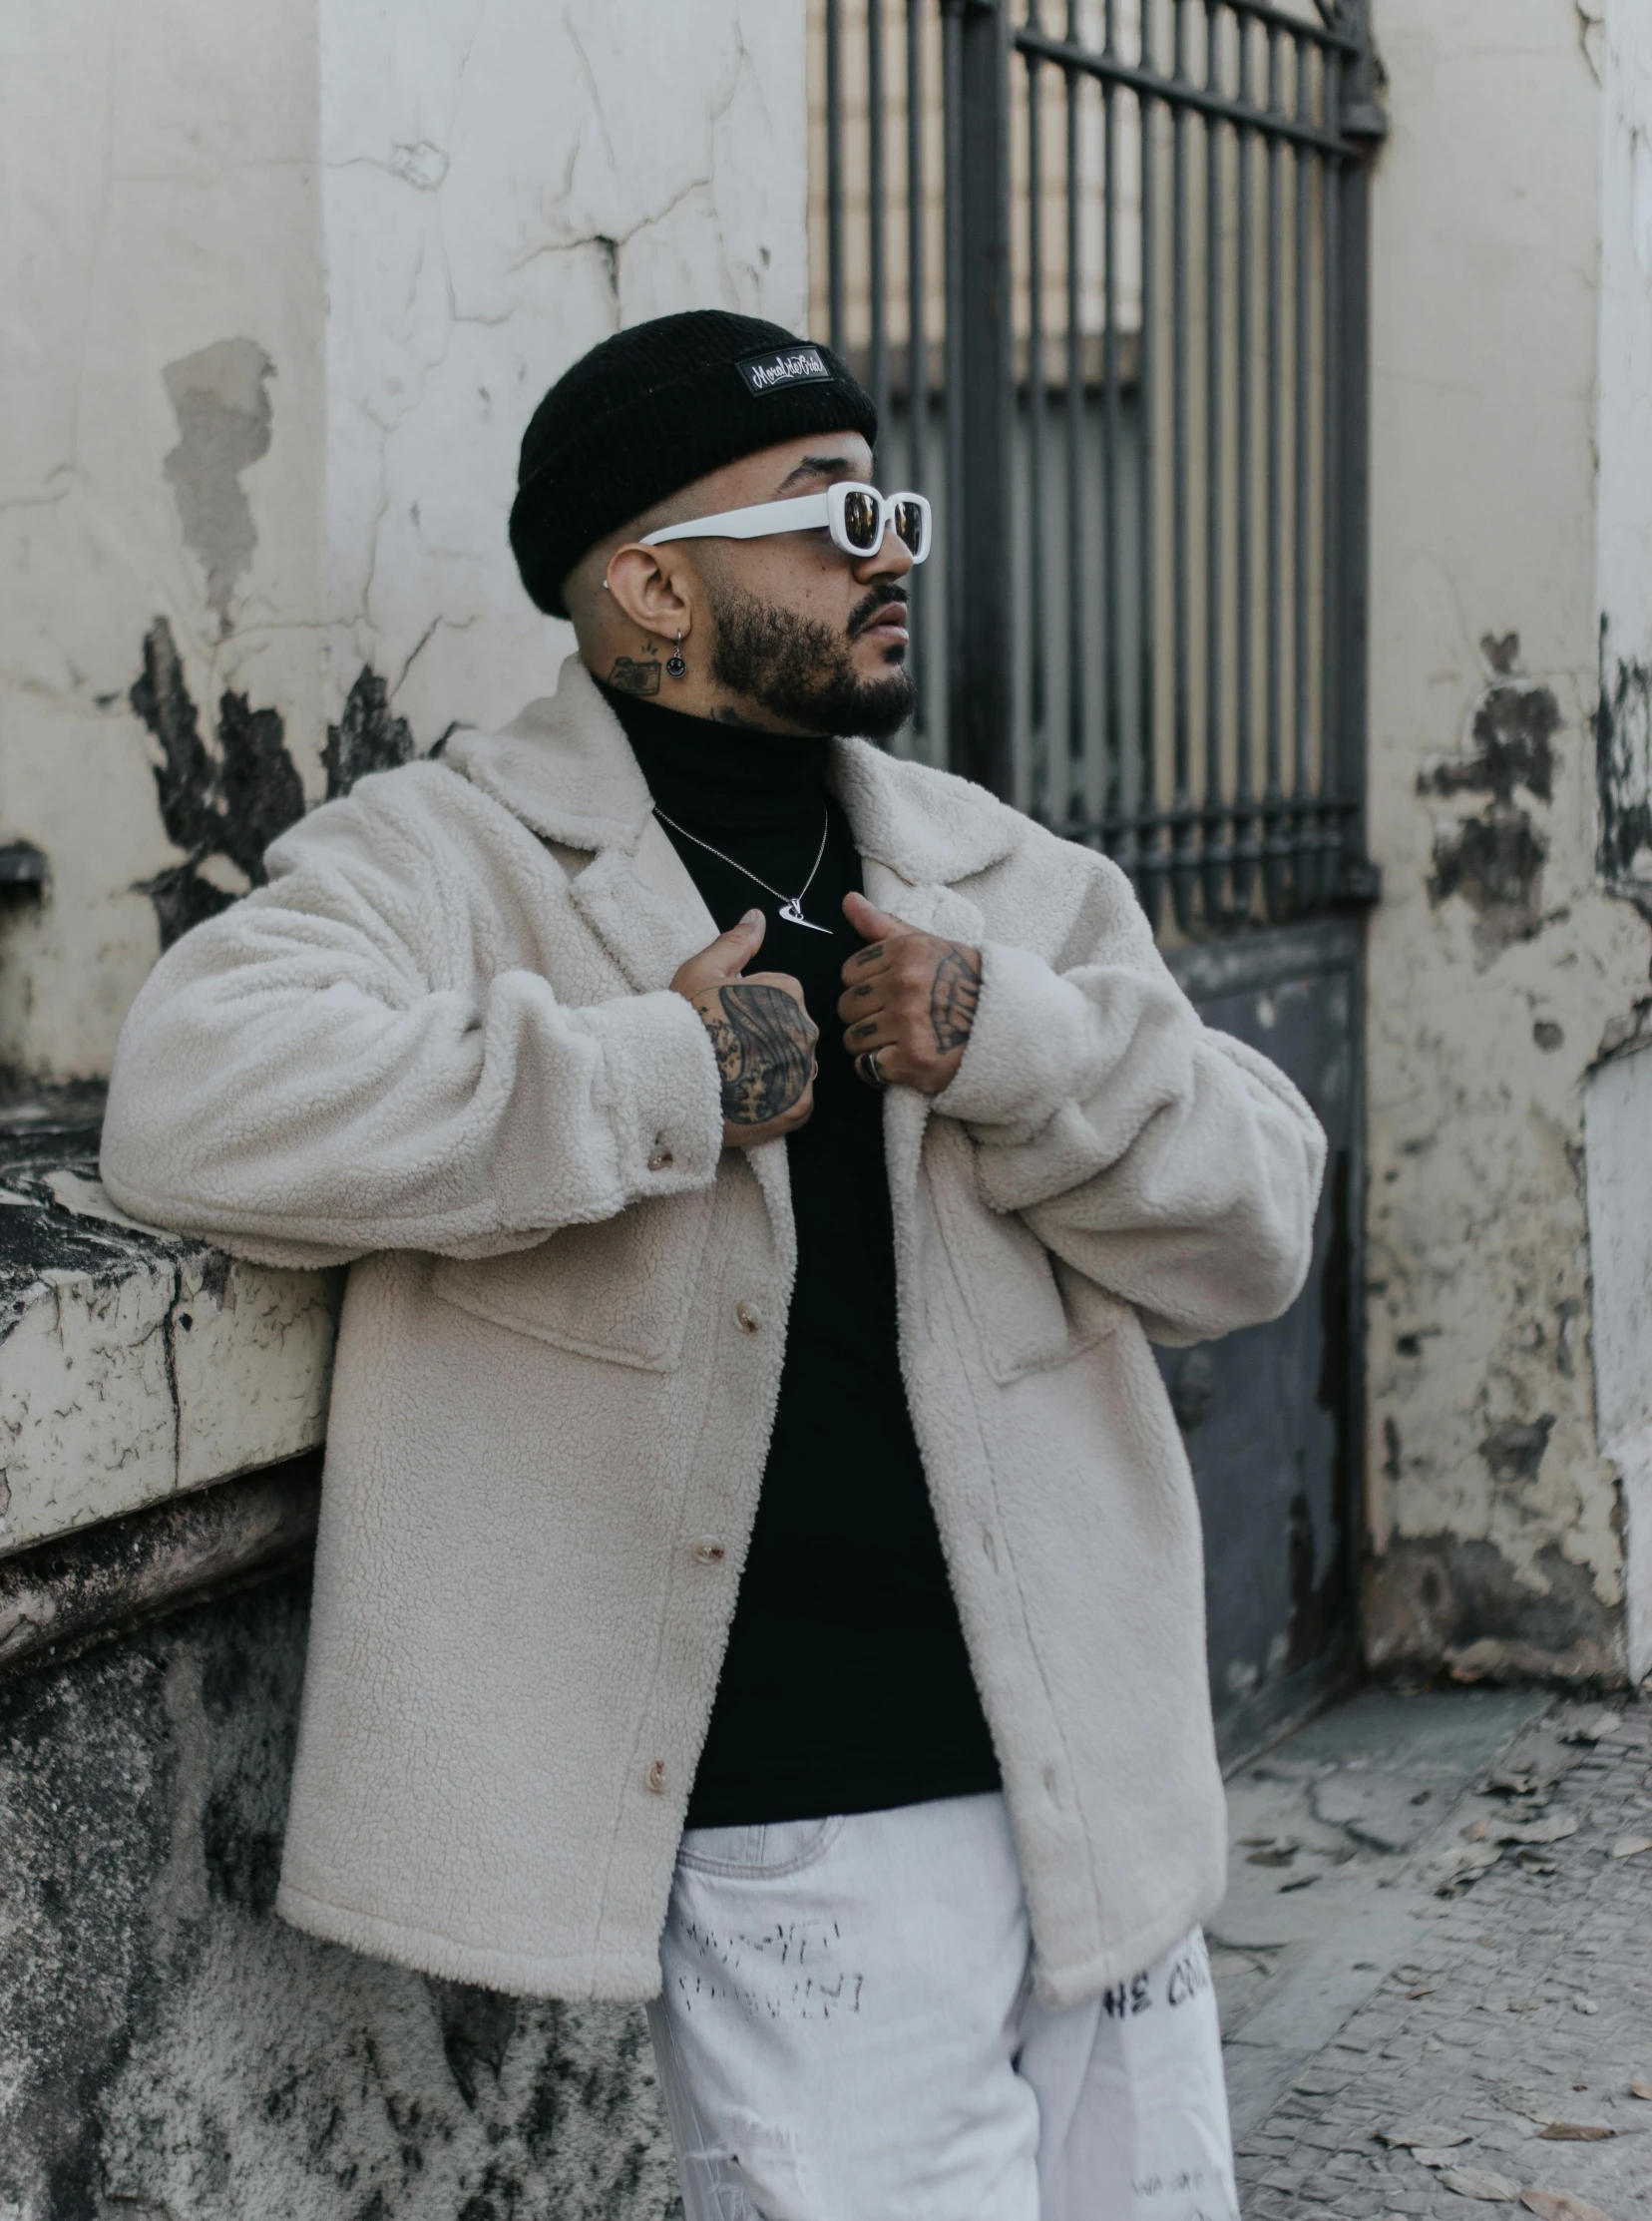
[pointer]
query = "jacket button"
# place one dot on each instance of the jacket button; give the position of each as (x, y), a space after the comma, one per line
(656, 1777)
(707, 1552)
(748, 1318)
(661, 1160)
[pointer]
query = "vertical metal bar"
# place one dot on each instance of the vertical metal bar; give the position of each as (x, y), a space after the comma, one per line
(1183, 816)
(1118, 831)
(1218, 849)
(1330, 820)
(952, 204)
(1151, 862)
(1276, 845)
(1247, 847)
(877, 209)
(834, 174)
(917, 339)
(1304, 842)
(978, 183)
(1035, 594)
(1358, 879)
(1077, 598)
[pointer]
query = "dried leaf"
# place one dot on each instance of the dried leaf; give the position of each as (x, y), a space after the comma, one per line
(1425, 2133)
(1560, 2205)
(1574, 2132)
(1639, 2086)
(1298, 1882)
(1459, 1863)
(1436, 2155)
(1593, 1729)
(1477, 1831)
(1273, 1854)
(1413, 1995)
(1477, 2183)
(1551, 1829)
(1631, 1846)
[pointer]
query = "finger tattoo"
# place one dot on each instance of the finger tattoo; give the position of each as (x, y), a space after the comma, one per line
(955, 992)
(764, 1045)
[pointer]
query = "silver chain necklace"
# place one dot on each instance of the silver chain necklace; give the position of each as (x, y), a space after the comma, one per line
(790, 905)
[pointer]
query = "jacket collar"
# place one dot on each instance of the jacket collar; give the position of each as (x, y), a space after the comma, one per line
(565, 768)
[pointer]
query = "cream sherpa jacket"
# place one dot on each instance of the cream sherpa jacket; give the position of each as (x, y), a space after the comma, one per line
(440, 1046)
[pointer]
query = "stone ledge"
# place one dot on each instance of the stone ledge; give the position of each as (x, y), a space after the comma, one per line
(137, 1364)
(61, 1597)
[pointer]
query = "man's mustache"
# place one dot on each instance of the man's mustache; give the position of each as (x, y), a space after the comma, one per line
(877, 600)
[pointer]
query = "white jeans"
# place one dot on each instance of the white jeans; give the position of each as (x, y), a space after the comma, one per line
(847, 2032)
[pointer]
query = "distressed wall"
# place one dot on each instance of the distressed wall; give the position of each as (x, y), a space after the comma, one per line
(1619, 1124)
(171, 2050)
(273, 332)
(1498, 964)
(283, 287)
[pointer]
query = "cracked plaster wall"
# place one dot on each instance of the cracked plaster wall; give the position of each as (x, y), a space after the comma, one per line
(283, 287)
(1620, 1122)
(1498, 965)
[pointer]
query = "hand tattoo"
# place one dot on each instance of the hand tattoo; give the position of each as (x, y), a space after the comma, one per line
(954, 994)
(628, 677)
(764, 1043)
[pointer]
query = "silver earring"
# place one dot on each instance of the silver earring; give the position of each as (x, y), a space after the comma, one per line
(675, 667)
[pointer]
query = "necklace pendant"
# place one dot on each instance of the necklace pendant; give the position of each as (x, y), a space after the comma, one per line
(794, 916)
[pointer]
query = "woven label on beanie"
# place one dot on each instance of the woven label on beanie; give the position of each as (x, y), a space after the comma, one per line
(786, 366)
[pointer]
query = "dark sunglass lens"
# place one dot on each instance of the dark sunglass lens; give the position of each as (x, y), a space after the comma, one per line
(862, 518)
(909, 524)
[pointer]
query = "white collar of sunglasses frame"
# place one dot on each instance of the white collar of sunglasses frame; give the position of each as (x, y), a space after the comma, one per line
(856, 516)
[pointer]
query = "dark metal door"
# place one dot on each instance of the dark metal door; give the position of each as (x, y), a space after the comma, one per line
(1102, 263)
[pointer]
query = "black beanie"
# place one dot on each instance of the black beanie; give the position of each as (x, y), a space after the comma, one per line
(653, 409)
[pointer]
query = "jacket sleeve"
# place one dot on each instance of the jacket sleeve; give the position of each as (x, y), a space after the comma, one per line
(326, 1069)
(1171, 1165)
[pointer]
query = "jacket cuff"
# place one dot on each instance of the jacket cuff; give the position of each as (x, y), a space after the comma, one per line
(1021, 1063)
(665, 1094)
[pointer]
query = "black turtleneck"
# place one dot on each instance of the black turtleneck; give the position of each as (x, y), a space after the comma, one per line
(846, 1686)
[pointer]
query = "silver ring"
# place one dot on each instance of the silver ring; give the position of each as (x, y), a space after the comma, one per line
(868, 1069)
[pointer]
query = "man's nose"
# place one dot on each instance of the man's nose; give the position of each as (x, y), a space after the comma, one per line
(892, 561)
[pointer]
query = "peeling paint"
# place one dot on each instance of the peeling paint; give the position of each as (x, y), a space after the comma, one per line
(367, 737)
(1496, 861)
(1440, 1601)
(226, 807)
(221, 398)
(1623, 775)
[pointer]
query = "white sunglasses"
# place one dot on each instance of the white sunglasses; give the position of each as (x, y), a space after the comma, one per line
(856, 516)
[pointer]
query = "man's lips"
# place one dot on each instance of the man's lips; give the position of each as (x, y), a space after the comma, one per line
(890, 624)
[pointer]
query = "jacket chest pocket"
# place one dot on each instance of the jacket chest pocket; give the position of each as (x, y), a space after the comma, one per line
(623, 1289)
(1030, 1309)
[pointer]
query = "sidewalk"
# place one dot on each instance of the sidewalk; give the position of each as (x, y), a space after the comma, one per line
(1427, 2021)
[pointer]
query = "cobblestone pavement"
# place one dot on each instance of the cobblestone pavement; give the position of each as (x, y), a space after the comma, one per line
(1519, 2012)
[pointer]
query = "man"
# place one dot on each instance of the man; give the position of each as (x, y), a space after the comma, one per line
(758, 1570)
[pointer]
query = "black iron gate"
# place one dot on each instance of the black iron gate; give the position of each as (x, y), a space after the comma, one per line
(1102, 263)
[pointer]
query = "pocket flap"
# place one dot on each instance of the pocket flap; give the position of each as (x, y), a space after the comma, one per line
(621, 1289)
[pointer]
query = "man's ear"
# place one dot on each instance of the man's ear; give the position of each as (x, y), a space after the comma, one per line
(652, 588)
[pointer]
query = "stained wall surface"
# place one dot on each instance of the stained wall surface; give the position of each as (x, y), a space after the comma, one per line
(274, 332)
(282, 286)
(1499, 965)
(169, 2048)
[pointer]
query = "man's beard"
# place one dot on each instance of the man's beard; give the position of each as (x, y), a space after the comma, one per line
(799, 669)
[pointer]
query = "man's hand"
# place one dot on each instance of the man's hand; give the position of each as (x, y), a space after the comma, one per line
(910, 997)
(764, 1037)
